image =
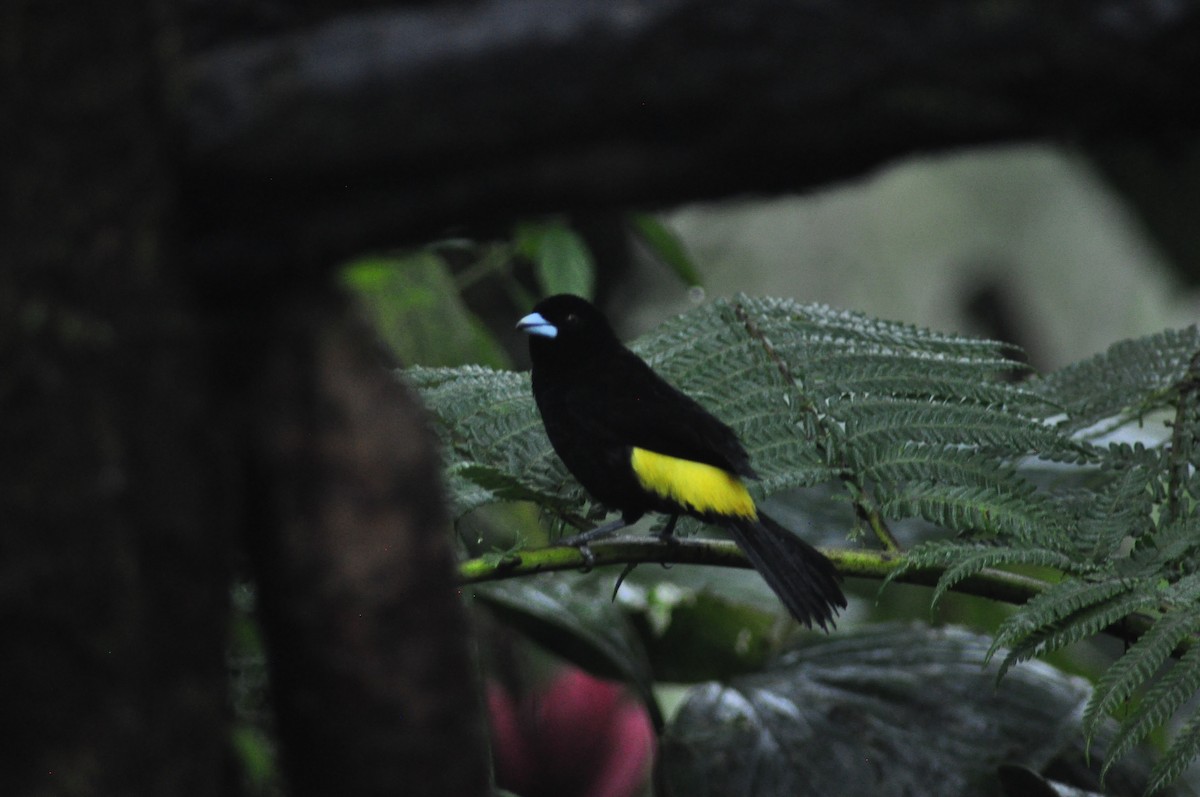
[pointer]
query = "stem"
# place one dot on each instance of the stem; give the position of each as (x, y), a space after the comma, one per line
(999, 585)
(1180, 454)
(622, 550)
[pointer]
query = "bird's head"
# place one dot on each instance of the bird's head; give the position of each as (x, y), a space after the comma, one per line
(565, 325)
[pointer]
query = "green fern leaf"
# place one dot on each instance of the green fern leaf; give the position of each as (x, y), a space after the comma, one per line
(1118, 505)
(1179, 755)
(1138, 665)
(909, 461)
(1170, 551)
(1057, 603)
(1160, 703)
(889, 421)
(494, 441)
(834, 373)
(988, 556)
(967, 509)
(796, 328)
(1079, 625)
(1130, 379)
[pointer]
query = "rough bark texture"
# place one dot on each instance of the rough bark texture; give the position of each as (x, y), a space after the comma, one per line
(128, 394)
(375, 684)
(114, 533)
(408, 121)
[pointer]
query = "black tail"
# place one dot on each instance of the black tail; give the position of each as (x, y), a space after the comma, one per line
(803, 578)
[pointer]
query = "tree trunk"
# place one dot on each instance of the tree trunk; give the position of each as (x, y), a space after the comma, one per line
(113, 514)
(375, 685)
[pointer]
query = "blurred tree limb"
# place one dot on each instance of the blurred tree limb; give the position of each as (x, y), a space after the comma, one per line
(405, 120)
(990, 583)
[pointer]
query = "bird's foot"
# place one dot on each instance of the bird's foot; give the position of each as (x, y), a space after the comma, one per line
(667, 535)
(600, 532)
(581, 541)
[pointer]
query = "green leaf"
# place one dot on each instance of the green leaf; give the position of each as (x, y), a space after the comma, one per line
(415, 308)
(1183, 750)
(574, 617)
(561, 259)
(896, 710)
(666, 246)
(1160, 703)
(1130, 379)
(980, 511)
(702, 623)
(963, 560)
(1084, 623)
(1056, 604)
(1138, 665)
(495, 445)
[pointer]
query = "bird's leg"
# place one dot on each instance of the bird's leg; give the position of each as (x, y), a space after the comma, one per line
(667, 535)
(581, 541)
(668, 532)
(594, 534)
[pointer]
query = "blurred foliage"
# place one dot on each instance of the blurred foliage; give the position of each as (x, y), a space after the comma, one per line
(415, 306)
(416, 299)
(560, 257)
(253, 735)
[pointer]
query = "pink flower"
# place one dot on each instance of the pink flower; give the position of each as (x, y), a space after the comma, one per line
(579, 736)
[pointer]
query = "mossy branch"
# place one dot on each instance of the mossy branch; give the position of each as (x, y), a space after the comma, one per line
(993, 584)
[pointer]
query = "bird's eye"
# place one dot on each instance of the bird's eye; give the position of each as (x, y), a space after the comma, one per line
(572, 318)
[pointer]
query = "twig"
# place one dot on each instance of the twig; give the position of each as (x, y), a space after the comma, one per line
(999, 585)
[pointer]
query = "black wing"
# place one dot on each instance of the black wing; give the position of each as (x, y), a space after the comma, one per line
(642, 409)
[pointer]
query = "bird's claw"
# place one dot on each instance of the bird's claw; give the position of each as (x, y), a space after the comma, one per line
(589, 558)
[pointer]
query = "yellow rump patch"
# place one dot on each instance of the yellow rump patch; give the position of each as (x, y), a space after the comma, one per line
(695, 485)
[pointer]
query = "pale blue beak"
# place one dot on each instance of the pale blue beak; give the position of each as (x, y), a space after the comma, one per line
(535, 324)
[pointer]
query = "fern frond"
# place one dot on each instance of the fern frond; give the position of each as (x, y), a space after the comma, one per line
(910, 461)
(1118, 504)
(1130, 379)
(1140, 662)
(1057, 603)
(791, 324)
(960, 560)
(1179, 756)
(494, 441)
(1171, 551)
(1159, 704)
(890, 421)
(1079, 625)
(967, 566)
(833, 373)
(974, 510)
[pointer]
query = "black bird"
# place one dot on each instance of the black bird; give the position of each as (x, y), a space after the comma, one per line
(638, 445)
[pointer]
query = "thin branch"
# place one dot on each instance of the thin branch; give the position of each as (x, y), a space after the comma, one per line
(1181, 455)
(999, 585)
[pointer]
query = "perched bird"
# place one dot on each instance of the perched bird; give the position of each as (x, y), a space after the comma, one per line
(638, 445)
